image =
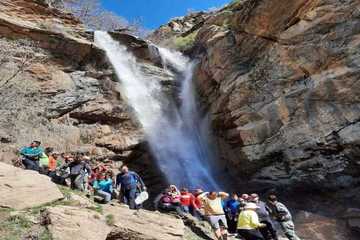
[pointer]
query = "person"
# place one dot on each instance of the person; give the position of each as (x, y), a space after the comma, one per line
(87, 174)
(53, 163)
(103, 187)
(187, 200)
(282, 215)
(232, 210)
(44, 161)
(198, 208)
(169, 200)
(128, 183)
(214, 212)
(268, 232)
(63, 171)
(248, 223)
(78, 171)
(31, 155)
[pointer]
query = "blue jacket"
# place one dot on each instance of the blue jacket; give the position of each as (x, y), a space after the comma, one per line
(32, 153)
(232, 206)
(103, 185)
(129, 180)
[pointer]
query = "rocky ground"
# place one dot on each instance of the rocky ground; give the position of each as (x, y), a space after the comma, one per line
(278, 78)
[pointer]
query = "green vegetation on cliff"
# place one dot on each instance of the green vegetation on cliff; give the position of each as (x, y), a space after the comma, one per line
(186, 42)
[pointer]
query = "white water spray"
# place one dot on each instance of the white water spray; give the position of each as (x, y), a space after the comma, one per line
(174, 134)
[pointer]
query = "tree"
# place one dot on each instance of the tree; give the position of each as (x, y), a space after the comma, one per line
(22, 52)
(94, 16)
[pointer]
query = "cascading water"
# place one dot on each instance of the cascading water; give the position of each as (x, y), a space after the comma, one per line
(174, 133)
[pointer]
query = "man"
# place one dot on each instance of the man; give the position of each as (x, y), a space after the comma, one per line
(187, 201)
(248, 223)
(214, 212)
(282, 215)
(232, 207)
(128, 183)
(62, 172)
(78, 171)
(31, 155)
(268, 232)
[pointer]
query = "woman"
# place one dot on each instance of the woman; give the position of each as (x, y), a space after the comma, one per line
(248, 223)
(103, 187)
(169, 201)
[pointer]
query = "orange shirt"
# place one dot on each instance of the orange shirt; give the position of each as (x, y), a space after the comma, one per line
(52, 163)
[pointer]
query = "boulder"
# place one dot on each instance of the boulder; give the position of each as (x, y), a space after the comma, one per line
(69, 223)
(21, 189)
(318, 227)
(115, 223)
(143, 225)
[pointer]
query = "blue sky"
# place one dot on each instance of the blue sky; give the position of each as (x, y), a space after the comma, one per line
(157, 12)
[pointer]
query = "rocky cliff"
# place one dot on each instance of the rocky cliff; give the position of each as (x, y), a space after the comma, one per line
(58, 87)
(280, 80)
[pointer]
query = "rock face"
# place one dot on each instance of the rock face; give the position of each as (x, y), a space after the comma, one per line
(317, 227)
(21, 189)
(56, 86)
(281, 84)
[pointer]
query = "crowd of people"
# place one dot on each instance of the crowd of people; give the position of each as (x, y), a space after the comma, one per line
(77, 172)
(246, 216)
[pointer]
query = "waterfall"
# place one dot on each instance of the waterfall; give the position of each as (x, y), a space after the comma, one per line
(175, 133)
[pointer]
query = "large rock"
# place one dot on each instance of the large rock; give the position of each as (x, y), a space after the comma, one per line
(68, 223)
(317, 227)
(144, 225)
(115, 223)
(21, 189)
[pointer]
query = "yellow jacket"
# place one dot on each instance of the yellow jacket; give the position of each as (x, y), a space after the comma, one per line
(248, 219)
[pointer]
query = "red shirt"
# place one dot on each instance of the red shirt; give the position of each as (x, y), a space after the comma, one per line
(187, 199)
(197, 202)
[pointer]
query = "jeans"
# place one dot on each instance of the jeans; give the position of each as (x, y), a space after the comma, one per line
(172, 207)
(251, 234)
(129, 197)
(77, 182)
(289, 230)
(31, 164)
(105, 195)
(185, 209)
(232, 223)
(269, 231)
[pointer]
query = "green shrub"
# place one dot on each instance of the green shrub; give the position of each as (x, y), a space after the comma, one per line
(110, 220)
(186, 42)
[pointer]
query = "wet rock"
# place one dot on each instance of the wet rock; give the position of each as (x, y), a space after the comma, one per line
(17, 188)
